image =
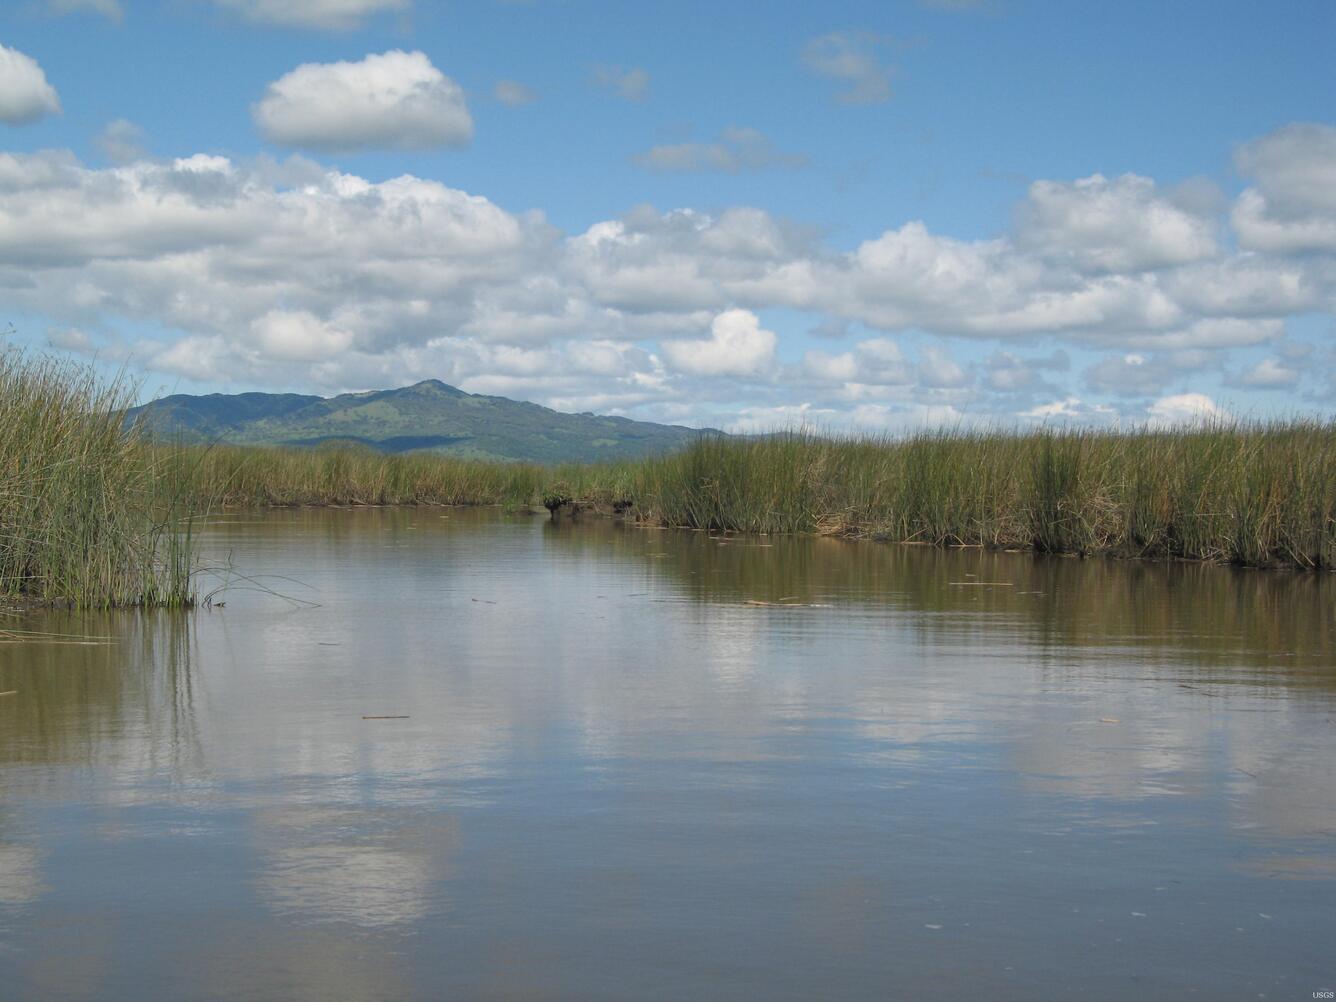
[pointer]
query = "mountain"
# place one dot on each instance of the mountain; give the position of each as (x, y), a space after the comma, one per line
(425, 416)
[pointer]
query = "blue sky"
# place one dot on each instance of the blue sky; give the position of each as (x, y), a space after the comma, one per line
(861, 215)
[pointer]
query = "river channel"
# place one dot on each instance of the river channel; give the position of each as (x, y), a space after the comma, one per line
(465, 754)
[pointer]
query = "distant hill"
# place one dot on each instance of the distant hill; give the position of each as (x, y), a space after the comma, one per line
(425, 416)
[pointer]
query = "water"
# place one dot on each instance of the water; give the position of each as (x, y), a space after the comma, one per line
(644, 764)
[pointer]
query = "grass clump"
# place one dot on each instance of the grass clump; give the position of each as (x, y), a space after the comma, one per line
(87, 517)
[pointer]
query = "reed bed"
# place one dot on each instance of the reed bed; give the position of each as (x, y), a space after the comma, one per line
(92, 515)
(240, 476)
(87, 517)
(1260, 494)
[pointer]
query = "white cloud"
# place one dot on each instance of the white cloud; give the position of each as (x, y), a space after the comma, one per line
(298, 335)
(513, 93)
(1292, 207)
(70, 339)
(394, 100)
(121, 141)
(1250, 285)
(901, 417)
(1270, 374)
(629, 85)
(874, 362)
(25, 96)
(737, 346)
(683, 260)
(107, 8)
(1009, 373)
(757, 419)
(1072, 409)
(911, 277)
(1212, 332)
(1130, 375)
(1123, 225)
(851, 57)
(737, 149)
(1185, 408)
(289, 274)
(329, 15)
(937, 369)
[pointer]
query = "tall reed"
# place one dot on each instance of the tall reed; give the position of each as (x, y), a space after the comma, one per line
(86, 516)
(238, 476)
(1259, 494)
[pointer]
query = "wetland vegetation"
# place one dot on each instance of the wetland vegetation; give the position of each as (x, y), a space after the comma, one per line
(1259, 494)
(88, 516)
(92, 514)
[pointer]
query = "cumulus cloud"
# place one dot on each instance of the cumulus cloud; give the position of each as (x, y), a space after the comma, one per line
(25, 96)
(628, 84)
(394, 100)
(1292, 206)
(736, 149)
(512, 93)
(70, 339)
(207, 246)
(1270, 374)
(1210, 332)
(289, 274)
(107, 8)
(874, 362)
(328, 15)
(1130, 375)
(938, 370)
(1006, 372)
(737, 346)
(1122, 225)
(853, 58)
(121, 141)
(298, 335)
(1185, 408)
(1071, 409)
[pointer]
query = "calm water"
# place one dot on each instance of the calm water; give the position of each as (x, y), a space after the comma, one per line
(642, 764)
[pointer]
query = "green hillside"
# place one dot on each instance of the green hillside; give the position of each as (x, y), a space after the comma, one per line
(425, 416)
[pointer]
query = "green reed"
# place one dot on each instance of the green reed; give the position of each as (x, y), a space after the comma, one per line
(87, 517)
(1258, 494)
(239, 476)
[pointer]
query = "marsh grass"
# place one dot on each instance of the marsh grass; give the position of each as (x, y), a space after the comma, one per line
(1251, 494)
(1260, 494)
(86, 516)
(240, 476)
(78, 493)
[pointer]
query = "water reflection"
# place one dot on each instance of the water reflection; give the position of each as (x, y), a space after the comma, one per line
(369, 868)
(20, 874)
(718, 757)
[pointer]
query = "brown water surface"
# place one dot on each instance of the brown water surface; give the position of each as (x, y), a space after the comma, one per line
(618, 763)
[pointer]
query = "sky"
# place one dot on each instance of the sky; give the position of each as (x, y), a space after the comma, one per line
(748, 215)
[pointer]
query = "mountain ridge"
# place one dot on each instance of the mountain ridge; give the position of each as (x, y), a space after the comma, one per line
(429, 415)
